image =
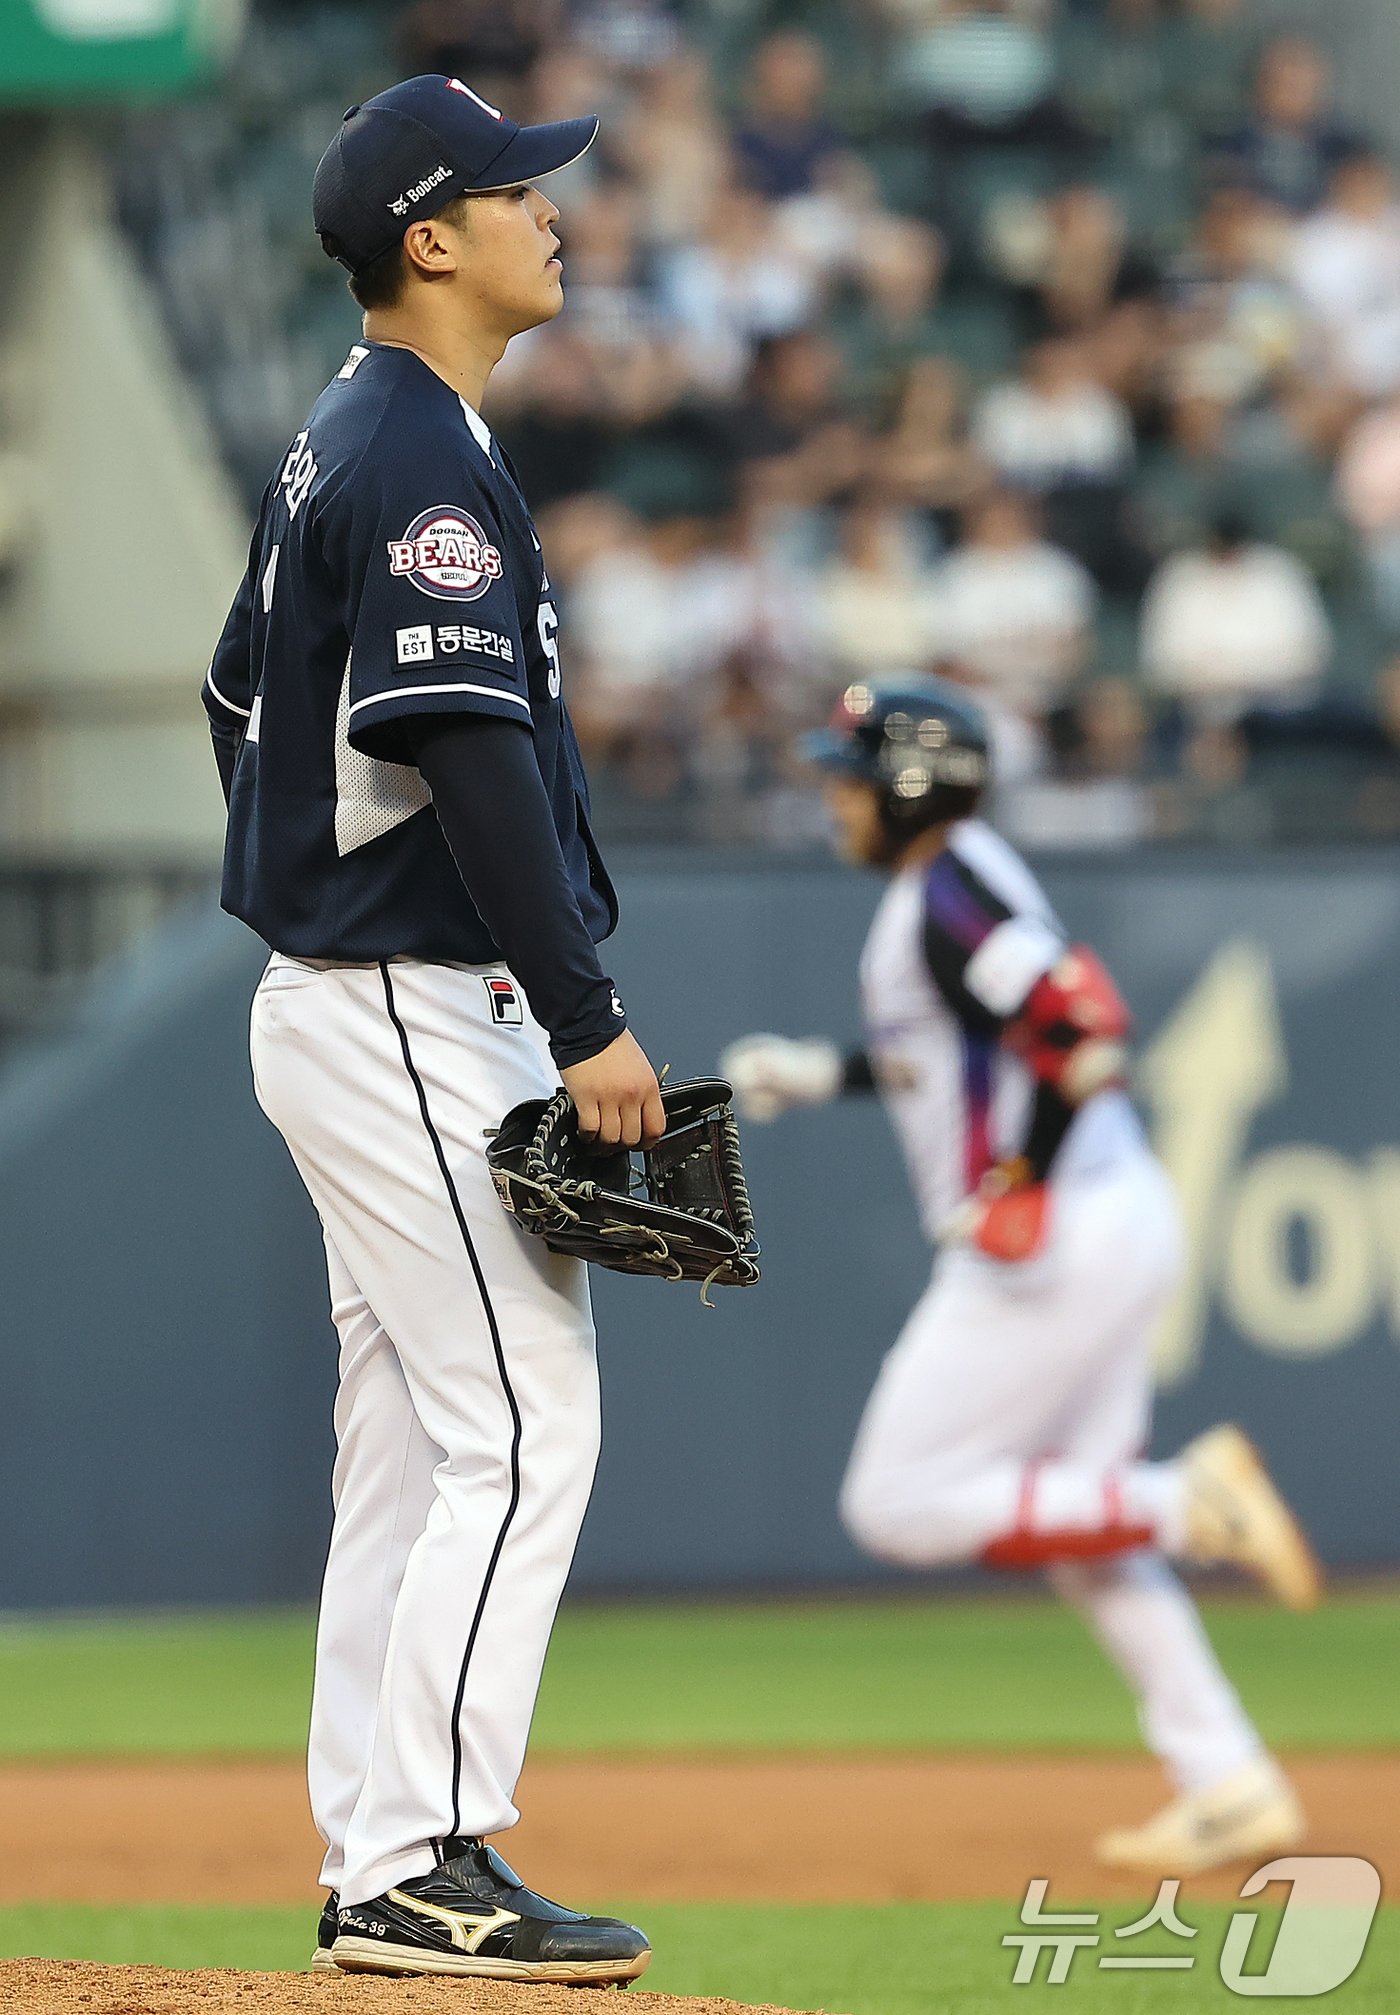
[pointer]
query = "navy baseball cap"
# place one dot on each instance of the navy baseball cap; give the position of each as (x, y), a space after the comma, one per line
(405, 154)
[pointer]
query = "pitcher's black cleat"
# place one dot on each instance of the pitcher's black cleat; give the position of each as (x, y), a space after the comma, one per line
(473, 1915)
(327, 1931)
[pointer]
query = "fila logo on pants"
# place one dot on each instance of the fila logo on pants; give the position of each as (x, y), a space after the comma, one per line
(505, 1003)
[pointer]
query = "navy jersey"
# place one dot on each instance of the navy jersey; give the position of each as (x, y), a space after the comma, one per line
(394, 572)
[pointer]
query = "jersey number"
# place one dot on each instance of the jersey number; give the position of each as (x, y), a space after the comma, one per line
(549, 644)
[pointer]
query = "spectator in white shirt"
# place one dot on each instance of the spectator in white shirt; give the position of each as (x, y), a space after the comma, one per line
(735, 285)
(632, 629)
(1055, 426)
(657, 616)
(1346, 268)
(981, 71)
(875, 605)
(1236, 626)
(1015, 611)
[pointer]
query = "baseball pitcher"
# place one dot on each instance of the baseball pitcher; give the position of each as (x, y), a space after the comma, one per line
(409, 832)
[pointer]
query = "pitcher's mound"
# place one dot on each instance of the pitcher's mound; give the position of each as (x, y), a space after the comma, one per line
(69, 1987)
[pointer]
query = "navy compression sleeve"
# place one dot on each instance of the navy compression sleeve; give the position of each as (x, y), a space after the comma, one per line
(493, 808)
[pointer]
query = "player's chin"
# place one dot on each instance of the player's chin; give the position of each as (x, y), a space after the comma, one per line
(540, 306)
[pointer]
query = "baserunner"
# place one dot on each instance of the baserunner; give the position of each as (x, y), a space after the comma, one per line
(1008, 1421)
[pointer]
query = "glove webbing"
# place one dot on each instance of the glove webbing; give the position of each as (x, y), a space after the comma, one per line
(557, 1189)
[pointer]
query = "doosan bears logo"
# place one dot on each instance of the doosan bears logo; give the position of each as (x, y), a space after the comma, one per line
(447, 555)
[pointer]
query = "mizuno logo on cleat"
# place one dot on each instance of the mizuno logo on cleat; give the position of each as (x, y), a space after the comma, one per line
(467, 1929)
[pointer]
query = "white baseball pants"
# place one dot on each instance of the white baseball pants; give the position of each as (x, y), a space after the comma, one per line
(1006, 1424)
(467, 1418)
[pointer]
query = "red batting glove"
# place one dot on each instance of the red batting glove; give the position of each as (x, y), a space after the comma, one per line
(1009, 1218)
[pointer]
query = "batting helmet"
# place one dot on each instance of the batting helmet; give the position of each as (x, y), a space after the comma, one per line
(918, 740)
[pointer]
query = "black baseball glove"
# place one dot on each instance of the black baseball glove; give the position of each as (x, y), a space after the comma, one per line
(679, 1209)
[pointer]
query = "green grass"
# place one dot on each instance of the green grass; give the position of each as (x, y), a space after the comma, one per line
(895, 1959)
(955, 1673)
(968, 1673)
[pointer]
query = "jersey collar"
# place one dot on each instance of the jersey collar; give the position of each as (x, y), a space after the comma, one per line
(480, 432)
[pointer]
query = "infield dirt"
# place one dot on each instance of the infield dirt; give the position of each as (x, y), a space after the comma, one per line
(66, 1987)
(663, 1830)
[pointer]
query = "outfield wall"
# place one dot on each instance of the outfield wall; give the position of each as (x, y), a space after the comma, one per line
(167, 1360)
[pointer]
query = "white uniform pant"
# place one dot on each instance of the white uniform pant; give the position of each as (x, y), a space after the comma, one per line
(1009, 1419)
(467, 1418)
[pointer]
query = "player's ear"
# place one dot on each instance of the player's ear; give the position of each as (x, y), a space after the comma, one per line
(428, 247)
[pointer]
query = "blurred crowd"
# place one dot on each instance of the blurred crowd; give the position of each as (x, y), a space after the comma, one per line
(1053, 345)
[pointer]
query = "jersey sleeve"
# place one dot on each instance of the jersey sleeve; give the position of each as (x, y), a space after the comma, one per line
(983, 956)
(228, 684)
(415, 548)
(228, 690)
